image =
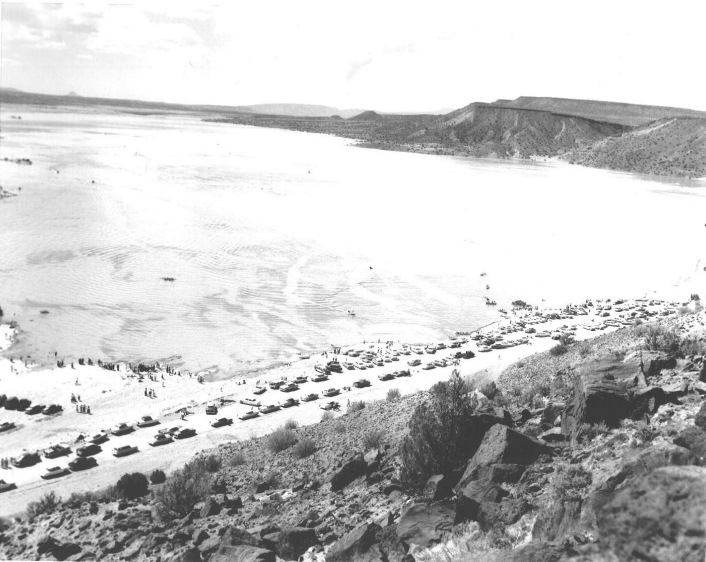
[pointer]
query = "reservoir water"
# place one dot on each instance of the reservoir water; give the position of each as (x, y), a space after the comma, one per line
(273, 236)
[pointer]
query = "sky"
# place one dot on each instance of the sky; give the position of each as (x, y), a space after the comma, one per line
(387, 56)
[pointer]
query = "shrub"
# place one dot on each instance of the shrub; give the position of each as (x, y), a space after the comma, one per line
(657, 337)
(209, 463)
(572, 481)
(23, 404)
(585, 433)
(693, 297)
(356, 406)
(584, 349)
(305, 448)
(372, 439)
(490, 390)
(131, 486)
(393, 395)
(291, 424)
(158, 477)
(531, 330)
(237, 459)
(340, 427)
(182, 491)
(692, 346)
(281, 439)
(46, 504)
(559, 349)
(326, 416)
(442, 434)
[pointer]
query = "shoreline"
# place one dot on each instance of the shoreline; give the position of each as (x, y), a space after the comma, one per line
(117, 397)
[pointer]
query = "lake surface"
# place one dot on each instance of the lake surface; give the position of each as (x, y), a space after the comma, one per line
(272, 236)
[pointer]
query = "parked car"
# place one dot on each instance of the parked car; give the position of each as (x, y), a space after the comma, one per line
(211, 410)
(27, 459)
(331, 392)
(122, 429)
(56, 451)
(36, 409)
(274, 385)
(249, 415)
(414, 362)
(221, 422)
(251, 402)
(88, 450)
(289, 402)
(185, 433)
(99, 438)
(310, 397)
(7, 486)
(147, 421)
(82, 463)
(330, 406)
(259, 390)
(290, 387)
(268, 408)
(6, 426)
(402, 374)
(386, 377)
(52, 409)
(124, 450)
(55, 472)
(319, 378)
(361, 383)
(161, 439)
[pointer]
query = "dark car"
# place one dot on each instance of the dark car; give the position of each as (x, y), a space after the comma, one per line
(99, 438)
(28, 459)
(211, 410)
(7, 486)
(82, 463)
(88, 450)
(403, 374)
(56, 451)
(221, 422)
(362, 383)
(52, 409)
(36, 409)
(185, 433)
(386, 377)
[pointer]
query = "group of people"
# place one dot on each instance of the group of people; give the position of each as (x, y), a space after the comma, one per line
(83, 409)
(150, 393)
(5, 463)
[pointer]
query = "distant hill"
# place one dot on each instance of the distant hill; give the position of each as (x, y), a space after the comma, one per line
(623, 113)
(367, 116)
(299, 110)
(489, 130)
(73, 94)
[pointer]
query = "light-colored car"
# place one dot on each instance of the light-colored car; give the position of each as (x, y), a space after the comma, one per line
(124, 450)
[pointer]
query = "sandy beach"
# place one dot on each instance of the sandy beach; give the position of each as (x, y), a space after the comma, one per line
(116, 397)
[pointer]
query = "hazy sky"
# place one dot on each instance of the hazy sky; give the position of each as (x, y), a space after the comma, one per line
(389, 56)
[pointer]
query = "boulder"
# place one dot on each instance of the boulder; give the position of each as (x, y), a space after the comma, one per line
(659, 516)
(694, 439)
(600, 394)
(243, 554)
(500, 515)
(233, 536)
(295, 541)
(472, 495)
(351, 470)
(60, 551)
(259, 487)
(558, 520)
(502, 445)
(355, 545)
(191, 555)
(700, 419)
(644, 462)
(647, 400)
(210, 507)
(535, 552)
(425, 524)
(438, 487)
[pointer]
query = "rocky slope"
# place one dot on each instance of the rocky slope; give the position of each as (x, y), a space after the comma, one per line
(592, 454)
(670, 146)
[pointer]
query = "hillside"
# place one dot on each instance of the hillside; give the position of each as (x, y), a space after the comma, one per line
(367, 116)
(299, 110)
(673, 147)
(576, 456)
(494, 131)
(623, 113)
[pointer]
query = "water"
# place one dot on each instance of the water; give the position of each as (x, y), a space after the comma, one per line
(273, 236)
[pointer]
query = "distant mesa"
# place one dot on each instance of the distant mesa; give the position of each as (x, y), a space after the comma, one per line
(73, 94)
(367, 116)
(169, 279)
(337, 117)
